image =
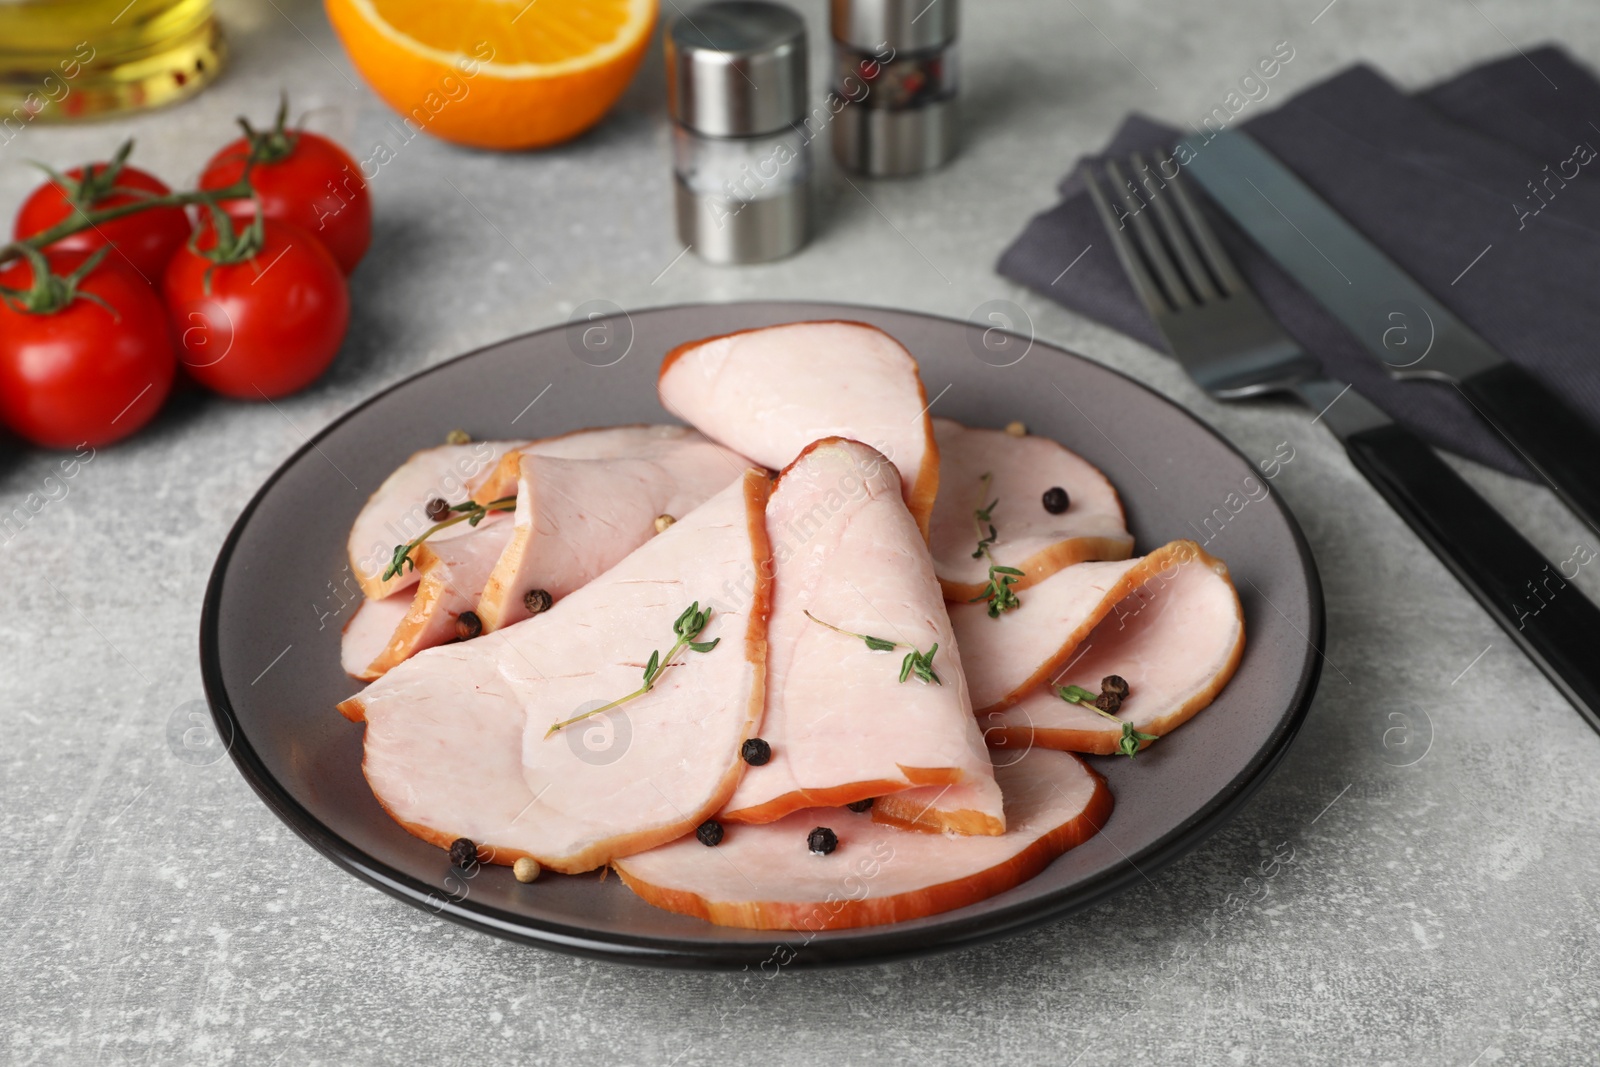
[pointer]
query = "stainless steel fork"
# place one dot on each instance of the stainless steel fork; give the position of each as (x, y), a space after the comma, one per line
(1233, 348)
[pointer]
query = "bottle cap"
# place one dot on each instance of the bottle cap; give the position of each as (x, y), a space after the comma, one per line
(903, 25)
(736, 68)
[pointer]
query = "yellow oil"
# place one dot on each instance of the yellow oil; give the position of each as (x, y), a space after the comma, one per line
(67, 59)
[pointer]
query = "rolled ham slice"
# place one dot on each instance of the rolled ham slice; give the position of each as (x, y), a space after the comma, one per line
(577, 518)
(397, 512)
(640, 441)
(764, 878)
(456, 740)
(842, 725)
(769, 393)
(1031, 539)
(1010, 656)
(453, 573)
(1176, 640)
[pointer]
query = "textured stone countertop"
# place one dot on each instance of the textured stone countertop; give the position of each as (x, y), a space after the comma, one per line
(1440, 904)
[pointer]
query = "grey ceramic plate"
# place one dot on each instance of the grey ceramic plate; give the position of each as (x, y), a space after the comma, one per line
(281, 591)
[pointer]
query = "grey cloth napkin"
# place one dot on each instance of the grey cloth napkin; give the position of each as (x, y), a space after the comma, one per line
(1485, 188)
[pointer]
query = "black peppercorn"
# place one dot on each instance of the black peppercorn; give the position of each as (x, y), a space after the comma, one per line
(438, 510)
(861, 805)
(822, 841)
(1108, 702)
(756, 752)
(710, 833)
(468, 626)
(1056, 500)
(537, 601)
(1114, 683)
(463, 853)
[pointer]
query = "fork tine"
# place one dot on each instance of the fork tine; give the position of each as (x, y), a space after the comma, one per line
(1154, 300)
(1155, 252)
(1216, 256)
(1174, 234)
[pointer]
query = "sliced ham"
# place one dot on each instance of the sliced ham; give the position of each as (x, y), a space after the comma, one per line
(1175, 639)
(453, 573)
(842, 725)
(368, 631)
(456, 740)
(764, 877)
(640, 441)
(397, 512)
(1010, 656)
(1031, 539)
(577, 518)
(769, 393)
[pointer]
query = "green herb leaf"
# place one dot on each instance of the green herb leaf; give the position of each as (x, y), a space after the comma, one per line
(686, 627)
(915, 663)
(998, 591)
(1075, 694)
(470, 512)
(1129, 745)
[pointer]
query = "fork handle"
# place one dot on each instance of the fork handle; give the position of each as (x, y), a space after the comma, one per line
(1532, 599)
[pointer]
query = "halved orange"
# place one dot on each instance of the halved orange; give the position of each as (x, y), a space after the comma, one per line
(496, 73)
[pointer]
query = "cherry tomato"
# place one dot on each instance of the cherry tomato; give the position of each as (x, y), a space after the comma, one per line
(84, 374)
(144, 239)
(266, 326)
(302, 179)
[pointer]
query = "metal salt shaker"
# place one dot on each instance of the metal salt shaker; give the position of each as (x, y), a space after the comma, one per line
(894, 85)
(736, 91)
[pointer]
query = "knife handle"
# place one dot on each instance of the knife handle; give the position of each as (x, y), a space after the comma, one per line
(1551, 619)
(1555, 440)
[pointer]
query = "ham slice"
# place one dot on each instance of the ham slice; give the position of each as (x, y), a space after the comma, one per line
(1031, 539)
(453, 572)
(1008, 657)
(771, 392)
(841, 724)
(640, 441)
(456, 740)
(368, 631)
(764, 878)
(1175, 639)
(577, 518)
(397, 512)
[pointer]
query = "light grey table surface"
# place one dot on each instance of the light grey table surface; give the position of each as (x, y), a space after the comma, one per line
(1440, 903)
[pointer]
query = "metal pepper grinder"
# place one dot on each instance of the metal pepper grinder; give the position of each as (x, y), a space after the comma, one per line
(736, 90)
(894, 85)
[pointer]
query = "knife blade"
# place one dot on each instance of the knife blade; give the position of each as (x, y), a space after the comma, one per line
(1396, 320)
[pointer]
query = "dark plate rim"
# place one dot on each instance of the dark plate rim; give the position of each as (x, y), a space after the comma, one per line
(864, 946)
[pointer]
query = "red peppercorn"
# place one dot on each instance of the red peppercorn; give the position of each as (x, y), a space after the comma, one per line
(438, 510)
(1114, 683)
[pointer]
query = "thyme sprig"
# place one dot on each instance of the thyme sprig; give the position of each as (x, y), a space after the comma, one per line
(687, 627)
(916, 664)
(998, 591)
(468, 511)
(1129, 743)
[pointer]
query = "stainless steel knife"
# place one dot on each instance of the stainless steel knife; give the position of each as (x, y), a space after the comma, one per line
(1398, 321)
